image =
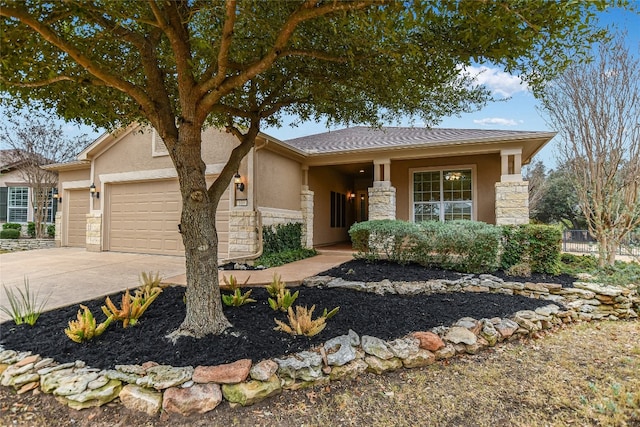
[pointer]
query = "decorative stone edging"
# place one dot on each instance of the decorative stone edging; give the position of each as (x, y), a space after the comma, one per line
(186, 390)
(26, 244)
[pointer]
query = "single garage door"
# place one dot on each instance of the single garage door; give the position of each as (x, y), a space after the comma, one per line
(77, 217)
(144, 216)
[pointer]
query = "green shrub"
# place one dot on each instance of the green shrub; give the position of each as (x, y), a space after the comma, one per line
(459, 245)
(31, 229)
(51, 230)
(573, 264)
(467, 246)
(281, 237)
(284, 257)
(11, 226)
(538, 245)
(9, 233)
(397, 240)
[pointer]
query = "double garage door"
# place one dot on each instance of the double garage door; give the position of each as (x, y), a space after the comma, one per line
(143, 217)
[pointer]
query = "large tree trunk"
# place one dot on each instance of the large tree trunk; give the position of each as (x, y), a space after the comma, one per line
(203, 303)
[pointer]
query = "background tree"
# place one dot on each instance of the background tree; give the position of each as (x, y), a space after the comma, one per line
(32, 142)
(596, 109)
(556, 200)
(183, 65)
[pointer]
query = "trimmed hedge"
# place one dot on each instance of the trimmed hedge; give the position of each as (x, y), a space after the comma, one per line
(538, 245)
(11, 226)
(466, 246)
(9, 233)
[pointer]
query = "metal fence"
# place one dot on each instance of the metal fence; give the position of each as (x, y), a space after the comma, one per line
(583, 242)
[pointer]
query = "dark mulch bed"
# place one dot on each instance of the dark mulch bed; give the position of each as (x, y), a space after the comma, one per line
(363, 271)
(252, 336)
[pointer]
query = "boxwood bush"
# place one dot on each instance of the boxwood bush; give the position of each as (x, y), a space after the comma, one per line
(11, 226)
(9, 233)
(465, 246)
(538, 245)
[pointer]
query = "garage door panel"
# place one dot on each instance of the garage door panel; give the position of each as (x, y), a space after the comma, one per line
(77, 218)
(143, 217)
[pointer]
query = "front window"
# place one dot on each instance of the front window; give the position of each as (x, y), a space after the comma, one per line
(442, 195)
(18, 204)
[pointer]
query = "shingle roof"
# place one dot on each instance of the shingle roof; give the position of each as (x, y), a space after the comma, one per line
(366, 138)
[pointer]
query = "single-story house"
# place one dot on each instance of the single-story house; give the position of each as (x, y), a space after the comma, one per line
(16, 194)
(121, 194)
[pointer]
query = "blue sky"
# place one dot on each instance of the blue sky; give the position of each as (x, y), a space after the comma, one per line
(519, 112)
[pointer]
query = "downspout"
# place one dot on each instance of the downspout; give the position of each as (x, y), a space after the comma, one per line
(257, 254)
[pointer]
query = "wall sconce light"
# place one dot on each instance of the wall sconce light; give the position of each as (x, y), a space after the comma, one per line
(57, 195)
(93, 191)
(237, 180)
(351, 195)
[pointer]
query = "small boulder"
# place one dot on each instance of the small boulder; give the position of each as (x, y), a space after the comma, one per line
(263, 370)
(198, 399)
(429, 340)
(230, 373)
(141, 399)
(250, 392)
(459, 334)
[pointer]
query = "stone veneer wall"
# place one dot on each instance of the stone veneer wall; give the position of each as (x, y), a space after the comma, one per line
(512, 203)
(94, 232)
(153, 388)
(279, 216)
(26, 244)
(306, 206)
(243, 233)
(382, 202)
(58, 223)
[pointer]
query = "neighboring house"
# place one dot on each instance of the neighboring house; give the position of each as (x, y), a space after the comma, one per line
(326, 182)
(16, 198)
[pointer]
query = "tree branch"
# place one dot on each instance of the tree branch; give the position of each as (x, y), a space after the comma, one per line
(310, 9)
(109, 79)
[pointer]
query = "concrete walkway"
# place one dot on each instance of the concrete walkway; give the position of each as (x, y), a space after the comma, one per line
(73, 275)
(293, 273)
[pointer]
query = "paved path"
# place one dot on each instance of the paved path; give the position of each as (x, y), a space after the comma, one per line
(73, 275)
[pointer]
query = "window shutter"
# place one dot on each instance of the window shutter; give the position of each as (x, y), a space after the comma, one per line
(3, 203)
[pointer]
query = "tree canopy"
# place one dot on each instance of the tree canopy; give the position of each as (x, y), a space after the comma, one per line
(181, 65)
(108, 63)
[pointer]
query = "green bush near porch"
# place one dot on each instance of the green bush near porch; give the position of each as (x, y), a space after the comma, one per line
(282, 244)
(466, 246)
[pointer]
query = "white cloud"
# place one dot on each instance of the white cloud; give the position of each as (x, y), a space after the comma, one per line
(493, 121)
(497, 81)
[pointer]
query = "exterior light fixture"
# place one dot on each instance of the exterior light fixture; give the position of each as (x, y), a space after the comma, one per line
(57, 195)
(237, 180)
(93, 191)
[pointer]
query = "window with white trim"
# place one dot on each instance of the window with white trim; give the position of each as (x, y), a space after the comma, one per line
(442, 195)
(18, 204)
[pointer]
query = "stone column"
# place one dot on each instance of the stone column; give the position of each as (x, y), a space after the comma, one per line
(512, 203)
(306, 206)
(243, 233)
(58, 224)
(94, 232)
(382, 201)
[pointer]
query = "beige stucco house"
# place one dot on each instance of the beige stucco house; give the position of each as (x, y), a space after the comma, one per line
(121, 194)
(16, 193)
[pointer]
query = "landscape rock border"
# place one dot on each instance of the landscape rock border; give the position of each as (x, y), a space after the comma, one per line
(152, 388)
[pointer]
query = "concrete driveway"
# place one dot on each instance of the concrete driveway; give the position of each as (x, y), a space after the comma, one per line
(73, 275)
